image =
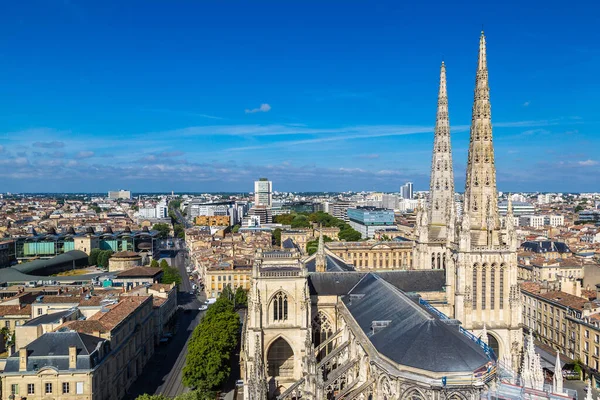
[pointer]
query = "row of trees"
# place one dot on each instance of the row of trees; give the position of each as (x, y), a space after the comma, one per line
(305, 220)
(211, 347)
(193, 395)
(100, 258)
(170, 274)
(163, 230)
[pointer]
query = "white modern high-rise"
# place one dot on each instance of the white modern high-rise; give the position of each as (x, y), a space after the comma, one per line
(263, 192)
(406, 190)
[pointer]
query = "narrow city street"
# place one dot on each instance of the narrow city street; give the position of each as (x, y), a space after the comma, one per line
(163, 373)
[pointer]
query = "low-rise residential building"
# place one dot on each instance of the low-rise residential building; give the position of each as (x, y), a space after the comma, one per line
(541, 269)
(60, 365)
(554, 220)
(212, 220)
(164, 300)
(535, 221)
(227, 274)
(128, 325)
(133, 277)
(554, 317)
(36, 327)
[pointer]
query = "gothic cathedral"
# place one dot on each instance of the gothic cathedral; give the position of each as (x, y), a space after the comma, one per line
(479, 257)
(318, 329)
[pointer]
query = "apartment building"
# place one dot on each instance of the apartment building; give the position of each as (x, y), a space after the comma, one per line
(534, 221)
(226, 274)
(59, 365)
(127, 324)
(554, 220)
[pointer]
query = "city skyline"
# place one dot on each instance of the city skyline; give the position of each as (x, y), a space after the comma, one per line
(161, 104)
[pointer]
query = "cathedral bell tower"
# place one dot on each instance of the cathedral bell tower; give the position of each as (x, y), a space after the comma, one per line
(279, 315)
(486, 275)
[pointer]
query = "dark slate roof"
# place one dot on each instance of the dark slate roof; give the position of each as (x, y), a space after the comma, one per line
(413, 336)
(334, 264)
(52, 350)
(288, 244)
(339, 283)
(76, 256)
(50, 318)
(545, 246)
(11, 275)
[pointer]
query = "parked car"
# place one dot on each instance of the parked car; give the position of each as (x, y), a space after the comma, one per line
(239, 383)
(203, 307)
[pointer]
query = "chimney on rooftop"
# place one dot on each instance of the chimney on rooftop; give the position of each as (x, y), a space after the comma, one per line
(72, 357)
(22, 359)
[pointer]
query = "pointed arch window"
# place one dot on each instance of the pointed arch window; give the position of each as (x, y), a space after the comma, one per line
(493, 287)
(475, 287)
(322, 331)
(501, 281)
(484, 269)
(280, 307)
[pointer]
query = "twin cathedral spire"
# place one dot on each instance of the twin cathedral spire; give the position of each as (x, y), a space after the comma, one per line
(480, 210)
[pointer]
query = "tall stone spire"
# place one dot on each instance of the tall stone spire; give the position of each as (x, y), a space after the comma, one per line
(441, 187)
(480, 190)
(557, 380)
(321, 260)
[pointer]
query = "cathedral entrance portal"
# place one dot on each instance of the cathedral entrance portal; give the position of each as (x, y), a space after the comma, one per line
(280, 359)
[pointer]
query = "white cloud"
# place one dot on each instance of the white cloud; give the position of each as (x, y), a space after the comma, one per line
(588, 163)
(263, 108)
(85, 154)
(526, 104)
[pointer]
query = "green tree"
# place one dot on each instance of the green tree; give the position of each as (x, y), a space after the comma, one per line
(179, 231)
(235, 229)
(227, 293)
(93, 258)
(276, 237)
(241, 297)
(349, 234)
(154, 264)
(147, 396)
(578, 208)
(313, 245)
(103, 258)
(211, 347)
(301, 221)
(170, 274)
(285, 219)
(163, 230)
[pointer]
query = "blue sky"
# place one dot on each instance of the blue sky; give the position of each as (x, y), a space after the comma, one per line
(317, 96)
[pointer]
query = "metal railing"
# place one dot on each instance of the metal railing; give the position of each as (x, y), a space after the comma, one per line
(487, 349)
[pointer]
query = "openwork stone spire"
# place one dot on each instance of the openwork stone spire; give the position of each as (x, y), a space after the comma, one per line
(480, 190)
(321, 260)
(441, 189)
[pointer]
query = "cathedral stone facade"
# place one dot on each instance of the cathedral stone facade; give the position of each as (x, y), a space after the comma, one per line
(317, 328)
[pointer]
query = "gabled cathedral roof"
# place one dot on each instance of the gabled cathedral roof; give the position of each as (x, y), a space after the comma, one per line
(333, 263)
(406, 332)
(340, 283)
